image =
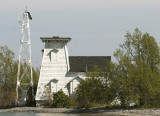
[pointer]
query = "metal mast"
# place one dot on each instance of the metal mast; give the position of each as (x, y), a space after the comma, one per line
(24, 75)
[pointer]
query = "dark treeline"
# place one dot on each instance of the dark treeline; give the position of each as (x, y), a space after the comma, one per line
(8, 76)
(133, 80)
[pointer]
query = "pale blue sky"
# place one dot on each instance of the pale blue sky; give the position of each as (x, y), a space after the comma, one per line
(96, 27)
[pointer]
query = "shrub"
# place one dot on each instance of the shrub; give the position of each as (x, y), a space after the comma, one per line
(61, 100)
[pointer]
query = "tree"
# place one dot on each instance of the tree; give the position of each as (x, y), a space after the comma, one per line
(8, 76)
(93, 90)
(136, 74)
(142, 47)
(8, 73)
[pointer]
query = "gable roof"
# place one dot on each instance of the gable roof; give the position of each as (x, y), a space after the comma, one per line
(86, 63)
(77, 77)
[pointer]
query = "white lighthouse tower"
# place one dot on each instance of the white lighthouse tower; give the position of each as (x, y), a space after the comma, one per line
(54, 67)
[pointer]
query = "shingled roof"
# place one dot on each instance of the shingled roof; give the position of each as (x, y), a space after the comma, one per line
(79, 63)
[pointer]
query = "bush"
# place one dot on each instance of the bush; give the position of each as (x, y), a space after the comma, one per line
(91, 92)
(61, 100)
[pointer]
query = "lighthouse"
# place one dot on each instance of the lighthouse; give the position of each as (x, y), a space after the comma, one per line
(61, 71)
(55, 65)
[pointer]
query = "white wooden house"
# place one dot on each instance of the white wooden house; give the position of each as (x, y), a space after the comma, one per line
(61, 71)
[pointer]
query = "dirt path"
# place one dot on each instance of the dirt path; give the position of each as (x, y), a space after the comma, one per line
(101, 111)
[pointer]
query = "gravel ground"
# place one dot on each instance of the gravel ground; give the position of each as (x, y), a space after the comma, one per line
(148, 112)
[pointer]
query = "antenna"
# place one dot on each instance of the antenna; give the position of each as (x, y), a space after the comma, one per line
(24, 75)
(26, 8)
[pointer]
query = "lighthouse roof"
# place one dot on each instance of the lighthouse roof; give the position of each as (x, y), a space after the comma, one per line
(55, 38)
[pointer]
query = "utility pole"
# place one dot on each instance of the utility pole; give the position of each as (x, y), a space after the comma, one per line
(24, 74)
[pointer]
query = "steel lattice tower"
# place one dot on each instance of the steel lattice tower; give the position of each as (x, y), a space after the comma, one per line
(24, 75)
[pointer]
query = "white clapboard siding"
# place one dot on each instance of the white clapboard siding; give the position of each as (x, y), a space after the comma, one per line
(54, 69)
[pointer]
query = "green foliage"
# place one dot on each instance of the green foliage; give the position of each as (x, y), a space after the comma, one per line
(8, 76)
(8, 73)
(134, 80)
(87, 92)
(93, 90)
(136, 74)
(61, 100)
(36, 76)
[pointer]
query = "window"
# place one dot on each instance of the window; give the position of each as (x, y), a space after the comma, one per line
(54, 56)
(53, 85)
